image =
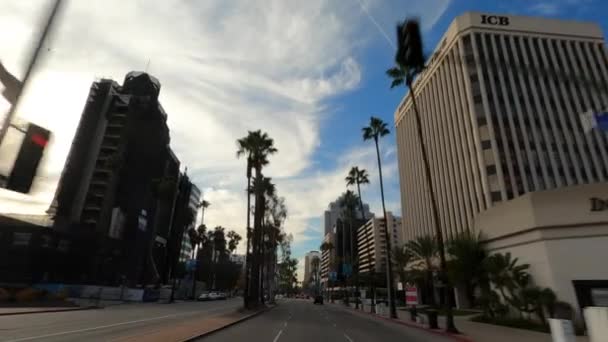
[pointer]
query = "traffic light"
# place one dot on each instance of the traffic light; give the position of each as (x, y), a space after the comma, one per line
(26, 164)
(409, 50)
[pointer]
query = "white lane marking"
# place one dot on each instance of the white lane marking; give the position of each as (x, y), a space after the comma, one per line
(110, 325)
(348, 338)
(276, 338)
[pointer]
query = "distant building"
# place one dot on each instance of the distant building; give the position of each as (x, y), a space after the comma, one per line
(308, 258)
(334, 212)
(328, 258)
(371, 242)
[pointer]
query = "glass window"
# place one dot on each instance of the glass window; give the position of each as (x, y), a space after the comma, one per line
(491, 170)
(486, 144)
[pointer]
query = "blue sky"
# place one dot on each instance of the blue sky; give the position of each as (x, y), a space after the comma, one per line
(374, 97)
(310, 73)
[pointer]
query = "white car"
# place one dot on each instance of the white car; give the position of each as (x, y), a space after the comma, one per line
(205, 296)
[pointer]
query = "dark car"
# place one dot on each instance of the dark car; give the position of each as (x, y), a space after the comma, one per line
(318, 300)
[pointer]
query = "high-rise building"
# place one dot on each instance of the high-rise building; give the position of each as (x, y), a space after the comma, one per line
(334, 212)
(371, 242)
(117, 187)
(328, 258)
(500, 101)
(308, 258)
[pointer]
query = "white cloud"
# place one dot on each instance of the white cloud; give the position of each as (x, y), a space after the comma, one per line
(225, 68)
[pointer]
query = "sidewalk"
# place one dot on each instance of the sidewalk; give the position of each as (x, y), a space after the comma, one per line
(192, 329)
(473, 331)
(33, 310)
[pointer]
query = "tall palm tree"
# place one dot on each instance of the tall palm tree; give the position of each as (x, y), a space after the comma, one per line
(357, 177)
(203, 206)
(256, 146)
(348, 202)
(264, 190)
(424, 250)
(403, 74)
(376, 130)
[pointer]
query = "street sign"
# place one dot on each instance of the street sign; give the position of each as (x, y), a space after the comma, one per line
(411, 295)
(333, 276)
(190, 265)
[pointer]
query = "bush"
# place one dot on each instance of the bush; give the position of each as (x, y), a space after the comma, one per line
(28, 294)
(518, 323)
(5, 295)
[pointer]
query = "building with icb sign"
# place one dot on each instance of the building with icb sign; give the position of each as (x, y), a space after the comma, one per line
(500, 102)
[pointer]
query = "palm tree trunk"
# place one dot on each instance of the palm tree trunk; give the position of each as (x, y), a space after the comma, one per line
(257, 230)
(450, 327)
(389, 268)
(248, 247)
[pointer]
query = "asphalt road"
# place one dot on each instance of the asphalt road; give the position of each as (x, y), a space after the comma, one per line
(302, 321)
(109, 323)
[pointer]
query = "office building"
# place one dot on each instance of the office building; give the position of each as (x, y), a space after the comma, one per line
(499, 102)
(187, 201)
(371, 242)
(334, 212)
(308, 266)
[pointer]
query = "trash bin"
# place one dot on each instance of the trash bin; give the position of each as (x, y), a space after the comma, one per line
(413, 313)
(432, 318)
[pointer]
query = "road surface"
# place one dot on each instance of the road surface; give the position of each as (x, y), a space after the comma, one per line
(107, 324)
(302, 321)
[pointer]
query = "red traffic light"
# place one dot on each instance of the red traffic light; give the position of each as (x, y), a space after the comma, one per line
(39, 140)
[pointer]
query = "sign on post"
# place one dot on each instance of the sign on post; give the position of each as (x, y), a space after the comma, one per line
(411, 295)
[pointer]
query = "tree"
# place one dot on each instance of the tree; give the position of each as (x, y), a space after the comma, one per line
(466, 264)
(197, 238)
(348, 202)
(233, 241)
(402, 258)
(257, 146)
(357, 177)
(203, 206)
(424, 251)
(409, 61)
(328, 247)
(376, 130)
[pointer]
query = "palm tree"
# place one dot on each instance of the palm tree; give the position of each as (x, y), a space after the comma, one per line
(376, 130)
(348, 202)
(403, 74)
(424, 250)
(233, 240)
(197, 238)
(256, 146)
(203, 206)
(357, 177)
(466, 264)
(402, 259)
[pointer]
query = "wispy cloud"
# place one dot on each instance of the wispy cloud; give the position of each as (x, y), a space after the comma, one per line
(225, 68)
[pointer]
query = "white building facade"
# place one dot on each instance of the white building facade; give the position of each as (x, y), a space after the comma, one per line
(500, 102)
(371, 242)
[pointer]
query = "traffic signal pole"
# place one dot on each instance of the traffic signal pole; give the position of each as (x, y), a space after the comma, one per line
(30, 66)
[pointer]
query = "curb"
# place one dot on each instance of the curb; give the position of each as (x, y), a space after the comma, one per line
(455, 337)
(242, 319)
(48, 311)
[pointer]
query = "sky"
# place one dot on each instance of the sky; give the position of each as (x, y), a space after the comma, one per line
(309, 73)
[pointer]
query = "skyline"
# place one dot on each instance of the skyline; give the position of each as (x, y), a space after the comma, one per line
(307, 76)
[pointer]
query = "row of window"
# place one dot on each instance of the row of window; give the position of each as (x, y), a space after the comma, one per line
(540, 60)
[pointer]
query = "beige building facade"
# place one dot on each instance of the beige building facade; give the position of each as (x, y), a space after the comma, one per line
(371, 242)
(562, 234)
(500, 102)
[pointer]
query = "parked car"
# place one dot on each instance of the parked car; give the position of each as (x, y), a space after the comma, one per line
(205, 296)
(221, 295)
(318, 300)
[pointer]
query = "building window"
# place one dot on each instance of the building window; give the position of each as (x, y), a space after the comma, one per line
(496, 197)
(477, 99)
(481, 121)
(491, 170)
